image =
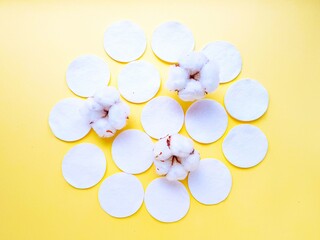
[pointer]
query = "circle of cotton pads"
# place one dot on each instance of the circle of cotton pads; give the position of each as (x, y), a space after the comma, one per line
(206, 121)
(139, 81)
(245, 146)
(124, 41)
(86, 74)
(84, 166)
(121, 195)
(227, 57)
(167, 201)
(211, 182)
(246, 100)
(132, 151)
(162, 116)
(172, 40)
(66, 122)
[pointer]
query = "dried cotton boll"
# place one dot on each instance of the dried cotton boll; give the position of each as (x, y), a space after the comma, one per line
(103, 128)
(105, 112)
(175, 157)
(193, 77)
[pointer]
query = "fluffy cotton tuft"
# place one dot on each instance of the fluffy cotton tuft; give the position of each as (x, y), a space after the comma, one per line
(209, 76)
(118, 114)
(175, 157)
(192, 91)
(162, 167)
(176, 172)
(178, 78)
(105, 112)
(193, 62)
(103, 128)
(106, 97)
(193, 77)
(191, 162)
(181, 146)
(161, 150)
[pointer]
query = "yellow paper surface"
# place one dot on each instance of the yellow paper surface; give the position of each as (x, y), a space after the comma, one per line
(279, 42)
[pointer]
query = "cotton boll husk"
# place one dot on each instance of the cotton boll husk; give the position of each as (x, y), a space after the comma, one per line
(193, 91)
(177, 79)
(163, 167)
(193, 62)
(107, 96)
(161, 150)
(176, 172)
(181, 146)
(191, 162)
(103, 128)
(118, 114)
(209, 76)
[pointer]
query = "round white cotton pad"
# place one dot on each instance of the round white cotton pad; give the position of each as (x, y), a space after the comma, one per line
(246, 100)
(172, 40)
(124, 41)
(227, 57)
(121, 195)
(84, 165)
(132, 151)
(167, 201)
(139, 81)
(162, 116)
(66, 122)
(86, 74)
(245, 146)
(206, 121)
(211, 182)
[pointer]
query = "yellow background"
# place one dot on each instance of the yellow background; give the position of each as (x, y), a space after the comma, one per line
(279, 42)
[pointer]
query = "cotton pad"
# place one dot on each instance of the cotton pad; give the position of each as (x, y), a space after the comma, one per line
(132, 151)
(84, 165)
(86, 74)
(139, 81)
(121, 195)
(162, 116)
(66, 122)
(245, 146)
(246, 100)
(211, 182)
(227, 57)
(172, 40)
(167, 201)
(124, 41)
(206, 121)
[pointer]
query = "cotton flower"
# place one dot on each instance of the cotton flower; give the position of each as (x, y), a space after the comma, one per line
(193, 77)
(175, 157)
(105, 112)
